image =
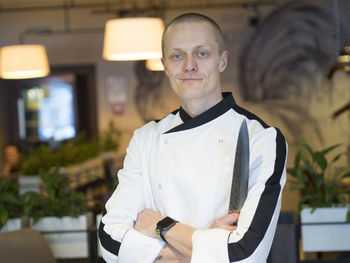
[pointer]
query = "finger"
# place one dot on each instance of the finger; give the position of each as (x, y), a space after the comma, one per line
(230, 219)
(231, 228)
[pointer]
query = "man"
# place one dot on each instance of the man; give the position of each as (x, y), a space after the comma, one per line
(177, 172)
(12, 157)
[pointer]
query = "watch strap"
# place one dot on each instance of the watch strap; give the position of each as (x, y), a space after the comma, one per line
(164, 225)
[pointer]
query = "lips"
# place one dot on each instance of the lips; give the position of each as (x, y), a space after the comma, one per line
(190, 79)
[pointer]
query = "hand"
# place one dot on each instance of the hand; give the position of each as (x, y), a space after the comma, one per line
(226, 222)
(146, 222)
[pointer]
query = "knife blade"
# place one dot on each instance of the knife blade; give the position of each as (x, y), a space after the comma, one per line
(240, 177)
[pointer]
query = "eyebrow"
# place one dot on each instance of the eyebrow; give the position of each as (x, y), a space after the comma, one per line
(195, 48)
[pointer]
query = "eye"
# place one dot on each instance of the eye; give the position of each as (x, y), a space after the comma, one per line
(176, 56)
(202, 54)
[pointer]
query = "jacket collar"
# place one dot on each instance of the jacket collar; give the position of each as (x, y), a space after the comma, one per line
(217, 110)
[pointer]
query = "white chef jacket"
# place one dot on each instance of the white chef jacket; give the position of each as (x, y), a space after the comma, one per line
(182, 167)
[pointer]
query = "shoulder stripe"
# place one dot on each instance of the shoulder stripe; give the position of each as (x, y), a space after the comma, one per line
(106, 240)
(249, 115)
(265, 209)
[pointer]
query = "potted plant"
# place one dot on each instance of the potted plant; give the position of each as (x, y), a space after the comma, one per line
(60, 210)
(324, 191)
(81, 158)
(11, 206)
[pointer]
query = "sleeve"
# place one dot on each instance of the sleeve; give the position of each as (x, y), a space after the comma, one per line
(252, 240)
(118, 240)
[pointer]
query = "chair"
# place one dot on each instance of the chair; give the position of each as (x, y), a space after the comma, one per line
(25, 245)
(285, 244)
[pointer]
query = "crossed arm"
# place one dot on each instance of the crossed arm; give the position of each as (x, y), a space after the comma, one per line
(179, 237)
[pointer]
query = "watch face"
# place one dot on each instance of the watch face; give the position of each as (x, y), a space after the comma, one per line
(166, 223)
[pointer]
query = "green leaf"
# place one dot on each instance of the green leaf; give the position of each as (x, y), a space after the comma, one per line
(297, 160)
(320, 160)
(309, 167)
(304, 143)
(327, 150)
(336, 158)
(348, 217)
(319, 179)
(3, 218)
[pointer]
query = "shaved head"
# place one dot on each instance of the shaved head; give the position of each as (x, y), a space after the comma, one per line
(194, 17)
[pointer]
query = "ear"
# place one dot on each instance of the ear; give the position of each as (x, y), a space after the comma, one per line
(223, 61)
(164, 66)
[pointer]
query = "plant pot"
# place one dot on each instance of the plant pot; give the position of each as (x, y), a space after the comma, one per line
(83, 173)
(29, 183)
(71, 239)
(325, 230)
(11, 225)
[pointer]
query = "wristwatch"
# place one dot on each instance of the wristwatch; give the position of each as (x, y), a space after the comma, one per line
(164, 225)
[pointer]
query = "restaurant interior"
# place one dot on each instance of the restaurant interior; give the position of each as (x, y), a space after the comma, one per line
(77, 77)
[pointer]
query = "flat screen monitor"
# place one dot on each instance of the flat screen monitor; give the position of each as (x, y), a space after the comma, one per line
(47, 109)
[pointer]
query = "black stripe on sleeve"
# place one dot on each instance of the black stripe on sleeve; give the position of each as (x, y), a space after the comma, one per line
(106, 240)
(265, 209)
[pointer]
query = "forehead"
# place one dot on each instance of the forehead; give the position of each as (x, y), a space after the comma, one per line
(190, 34)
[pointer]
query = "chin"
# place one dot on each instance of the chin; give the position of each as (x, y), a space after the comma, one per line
(191, 92)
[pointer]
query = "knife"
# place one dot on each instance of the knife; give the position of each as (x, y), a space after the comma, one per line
(240, 178)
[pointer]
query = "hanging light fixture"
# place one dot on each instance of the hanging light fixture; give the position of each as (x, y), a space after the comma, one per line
(154, 64)
(135, 38)
(23, 62)
(343, 55)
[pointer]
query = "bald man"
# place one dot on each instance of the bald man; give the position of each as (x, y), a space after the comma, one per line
(171, 204)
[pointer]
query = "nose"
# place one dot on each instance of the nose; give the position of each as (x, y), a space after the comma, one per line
(190, 64)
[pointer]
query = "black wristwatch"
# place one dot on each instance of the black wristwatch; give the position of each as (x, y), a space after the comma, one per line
(164, 225)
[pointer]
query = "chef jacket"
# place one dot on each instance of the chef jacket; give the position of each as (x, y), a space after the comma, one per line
(182, 167)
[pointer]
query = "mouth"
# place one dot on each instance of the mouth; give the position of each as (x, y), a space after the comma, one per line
(190, 79)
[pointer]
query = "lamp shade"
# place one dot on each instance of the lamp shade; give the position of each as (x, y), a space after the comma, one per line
(23, 62)
(344, 56)
(134, 38)
(154, 64)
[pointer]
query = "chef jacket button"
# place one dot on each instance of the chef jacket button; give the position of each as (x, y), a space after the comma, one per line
(159, 187)
(166, 141)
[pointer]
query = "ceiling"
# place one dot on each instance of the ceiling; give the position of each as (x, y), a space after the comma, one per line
(33, 5)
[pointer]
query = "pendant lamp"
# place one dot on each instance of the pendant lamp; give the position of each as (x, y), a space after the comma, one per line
(135, 38)
(154, 64)
(23, 62)
(344, 58)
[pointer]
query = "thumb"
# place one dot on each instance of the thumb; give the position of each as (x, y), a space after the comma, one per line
(230, 218)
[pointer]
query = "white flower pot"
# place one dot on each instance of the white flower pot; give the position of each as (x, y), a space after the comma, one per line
(325, 229)
(84, 173)
(68, 244)
(29, 183)
(11, 225)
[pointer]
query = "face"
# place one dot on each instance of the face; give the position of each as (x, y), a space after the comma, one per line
(11, 155)
(192, 61)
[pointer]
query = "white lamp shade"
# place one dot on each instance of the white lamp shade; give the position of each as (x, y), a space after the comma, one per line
(344, 58)
(154, 64)
(133, 38)
(23, 62)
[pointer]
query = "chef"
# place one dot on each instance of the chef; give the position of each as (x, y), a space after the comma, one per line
(171, 204)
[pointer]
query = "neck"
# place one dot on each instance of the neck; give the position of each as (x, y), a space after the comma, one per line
(195, 106)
